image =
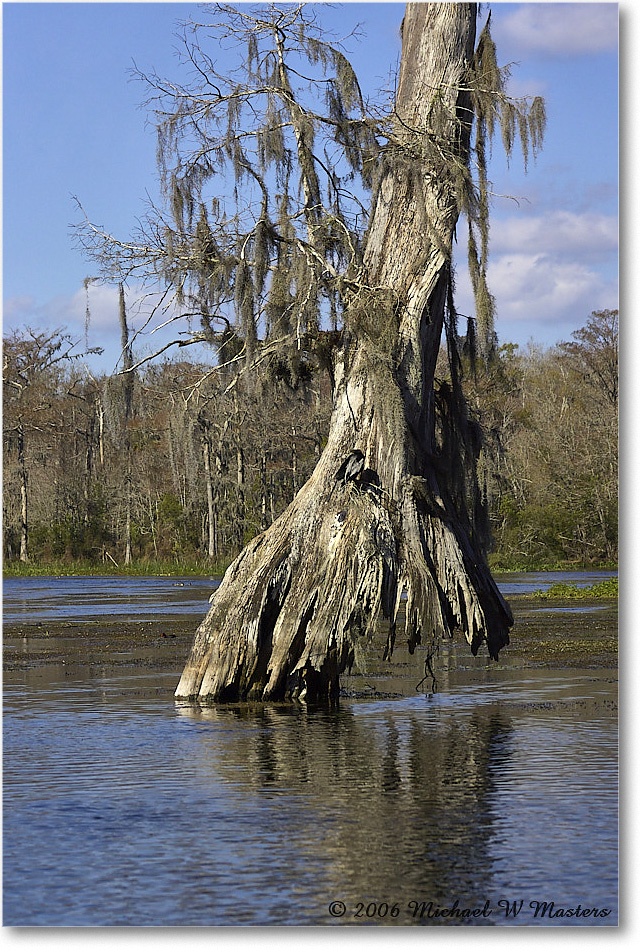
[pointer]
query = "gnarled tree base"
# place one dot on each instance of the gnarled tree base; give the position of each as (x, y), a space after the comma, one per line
(294, 606)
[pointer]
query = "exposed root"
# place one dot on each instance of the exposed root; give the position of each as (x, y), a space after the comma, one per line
(297, 602)
(293, 609)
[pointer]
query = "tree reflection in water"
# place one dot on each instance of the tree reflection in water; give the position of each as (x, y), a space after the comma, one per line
(393, 799)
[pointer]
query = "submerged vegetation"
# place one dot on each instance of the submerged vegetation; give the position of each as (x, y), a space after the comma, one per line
(604, 590)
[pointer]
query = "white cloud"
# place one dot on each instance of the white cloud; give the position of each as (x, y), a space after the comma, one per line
(15, 307)
(527, 88)
(62, 310)
(541, 288)
(548, 272)
(70, 311)
(589, 235)
(68, 314)
(560, 29)
(103, 328)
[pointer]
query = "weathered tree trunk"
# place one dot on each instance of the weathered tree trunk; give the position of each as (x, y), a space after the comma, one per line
(211, 520)
(24, 510)
(264, 499)
(101, 430)
(128, 396)
(295, 473)
(128, 525)
(89, 467)
(291, 610)
(240, 493)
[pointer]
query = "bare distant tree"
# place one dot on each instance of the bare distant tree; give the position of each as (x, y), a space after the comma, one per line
(29, 360)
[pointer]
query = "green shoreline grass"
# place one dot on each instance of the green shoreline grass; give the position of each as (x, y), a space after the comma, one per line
(136, 569)
(500, 565)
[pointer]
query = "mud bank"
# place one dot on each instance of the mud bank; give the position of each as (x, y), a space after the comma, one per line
(558, 635)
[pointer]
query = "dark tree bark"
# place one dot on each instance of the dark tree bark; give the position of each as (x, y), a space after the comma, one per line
(292, 608)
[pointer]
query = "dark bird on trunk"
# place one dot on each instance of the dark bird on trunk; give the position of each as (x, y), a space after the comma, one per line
(351, 467)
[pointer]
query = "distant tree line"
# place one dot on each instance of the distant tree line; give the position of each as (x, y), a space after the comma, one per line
(181, 462)
(551, 454)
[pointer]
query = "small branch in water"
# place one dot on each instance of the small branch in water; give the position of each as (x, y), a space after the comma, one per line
(428, 671)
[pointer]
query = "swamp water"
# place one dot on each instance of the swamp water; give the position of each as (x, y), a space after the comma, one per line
(490, 802)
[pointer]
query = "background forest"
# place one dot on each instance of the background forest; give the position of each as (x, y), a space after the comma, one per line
(176, 465)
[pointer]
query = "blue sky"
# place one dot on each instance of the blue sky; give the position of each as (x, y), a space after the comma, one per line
(73, 126)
